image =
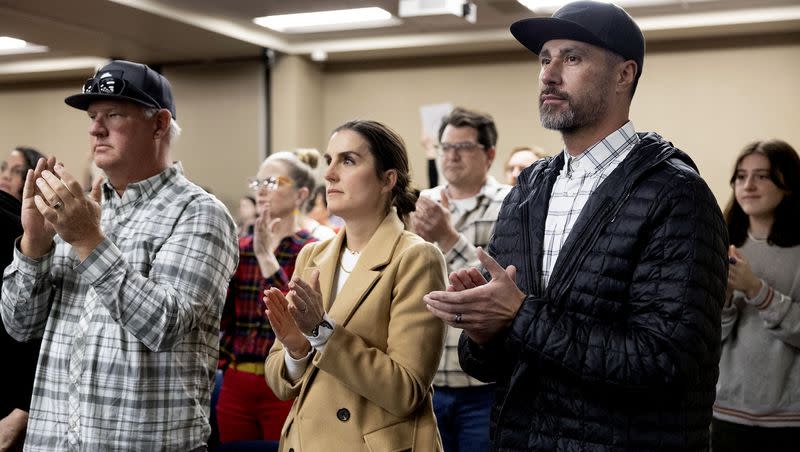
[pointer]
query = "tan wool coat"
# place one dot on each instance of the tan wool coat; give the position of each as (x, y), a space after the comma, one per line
(370, 390)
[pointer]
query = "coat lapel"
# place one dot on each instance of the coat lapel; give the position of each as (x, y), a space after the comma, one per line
(374, 257)
(326, 261)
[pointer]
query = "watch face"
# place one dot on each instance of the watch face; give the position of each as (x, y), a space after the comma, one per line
(324, 324)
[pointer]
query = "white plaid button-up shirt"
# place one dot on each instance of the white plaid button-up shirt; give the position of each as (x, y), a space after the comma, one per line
(130, 335)
(475, 227)
(576, 182)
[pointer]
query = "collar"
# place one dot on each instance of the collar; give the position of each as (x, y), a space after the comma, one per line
(379, 248)
(600, 155)
(489, 188)
(143, 189)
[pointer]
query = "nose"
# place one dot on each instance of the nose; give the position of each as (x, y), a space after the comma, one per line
(750, 182)
(97, 128)
(330, 173)
(451, 155)
(550, 74)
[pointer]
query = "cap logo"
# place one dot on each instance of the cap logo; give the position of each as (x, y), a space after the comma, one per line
(106, 74)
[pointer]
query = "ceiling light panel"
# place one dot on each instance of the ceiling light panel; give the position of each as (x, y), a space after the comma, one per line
(343, 19)
(12, 46)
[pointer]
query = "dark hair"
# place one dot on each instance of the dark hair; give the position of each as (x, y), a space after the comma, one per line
(31, 155)
(613, 58)
(784, 171)
(482, 122)
(389, 151)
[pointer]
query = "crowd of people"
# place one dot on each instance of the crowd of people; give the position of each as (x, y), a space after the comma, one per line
(600, 299)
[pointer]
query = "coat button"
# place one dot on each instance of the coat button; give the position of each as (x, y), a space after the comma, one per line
(343, 414)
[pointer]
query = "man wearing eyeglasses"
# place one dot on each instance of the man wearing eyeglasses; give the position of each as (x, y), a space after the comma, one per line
(125, 285)
(458, 217)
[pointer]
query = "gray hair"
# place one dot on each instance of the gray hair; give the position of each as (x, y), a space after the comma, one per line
(174, 128)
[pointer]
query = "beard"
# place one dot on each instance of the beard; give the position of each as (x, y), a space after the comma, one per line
(578, 113)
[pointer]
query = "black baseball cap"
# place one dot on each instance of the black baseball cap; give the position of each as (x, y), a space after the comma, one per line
(122, 79)
(602, 24)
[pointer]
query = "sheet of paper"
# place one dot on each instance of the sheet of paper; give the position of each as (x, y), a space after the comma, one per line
(431, 116)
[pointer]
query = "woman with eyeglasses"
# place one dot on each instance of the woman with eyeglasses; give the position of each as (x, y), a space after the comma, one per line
(247, 409)
(357, 348)
(758, 393)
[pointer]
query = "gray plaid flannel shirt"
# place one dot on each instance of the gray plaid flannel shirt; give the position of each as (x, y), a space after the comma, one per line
(144, 308)
(475, 228)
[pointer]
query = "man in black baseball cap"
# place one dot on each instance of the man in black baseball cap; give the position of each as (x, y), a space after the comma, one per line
(121, 79)
(600, 321)
(125, 285)
(605, 25)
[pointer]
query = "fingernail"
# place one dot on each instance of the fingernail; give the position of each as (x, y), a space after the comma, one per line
(39, 182)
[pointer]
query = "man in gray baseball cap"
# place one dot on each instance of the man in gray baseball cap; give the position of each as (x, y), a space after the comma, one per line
(599, 313)
(124, 285)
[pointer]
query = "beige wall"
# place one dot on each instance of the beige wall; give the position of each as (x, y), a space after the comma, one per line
(296, 90)
(220, 108)
(708, 102)
(37, 116)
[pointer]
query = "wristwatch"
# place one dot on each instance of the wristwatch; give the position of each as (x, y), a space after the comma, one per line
(323, 324)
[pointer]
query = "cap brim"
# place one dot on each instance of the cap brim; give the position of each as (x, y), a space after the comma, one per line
(533, 33)
(82, 101)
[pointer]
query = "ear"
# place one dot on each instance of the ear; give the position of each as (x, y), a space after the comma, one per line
(302, 195)
(626, 75)
(490, 154)
(161, 123)
(389, 180)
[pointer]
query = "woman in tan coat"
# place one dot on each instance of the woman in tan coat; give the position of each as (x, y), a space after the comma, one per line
(357, 347)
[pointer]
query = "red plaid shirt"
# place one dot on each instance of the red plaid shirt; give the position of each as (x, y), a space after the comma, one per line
(245, 332)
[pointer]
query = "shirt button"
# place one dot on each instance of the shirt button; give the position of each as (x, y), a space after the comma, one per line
(343, 414)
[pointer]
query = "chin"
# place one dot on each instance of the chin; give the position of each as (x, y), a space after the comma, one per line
(334, 209)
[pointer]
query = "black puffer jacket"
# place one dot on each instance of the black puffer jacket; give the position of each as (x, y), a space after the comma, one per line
(620, 351)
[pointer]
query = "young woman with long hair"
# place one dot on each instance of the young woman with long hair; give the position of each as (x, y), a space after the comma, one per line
(758, 402)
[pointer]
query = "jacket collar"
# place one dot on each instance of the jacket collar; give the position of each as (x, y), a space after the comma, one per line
(536, 184)
(374, 257)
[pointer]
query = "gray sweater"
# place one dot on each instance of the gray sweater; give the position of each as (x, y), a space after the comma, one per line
(759, 381)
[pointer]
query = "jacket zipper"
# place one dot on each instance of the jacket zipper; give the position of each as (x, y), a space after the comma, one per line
(587, 246)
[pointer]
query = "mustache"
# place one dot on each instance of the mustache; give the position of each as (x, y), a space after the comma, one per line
(552, 91)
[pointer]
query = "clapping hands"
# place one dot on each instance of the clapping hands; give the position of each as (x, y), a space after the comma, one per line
(296, 313)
